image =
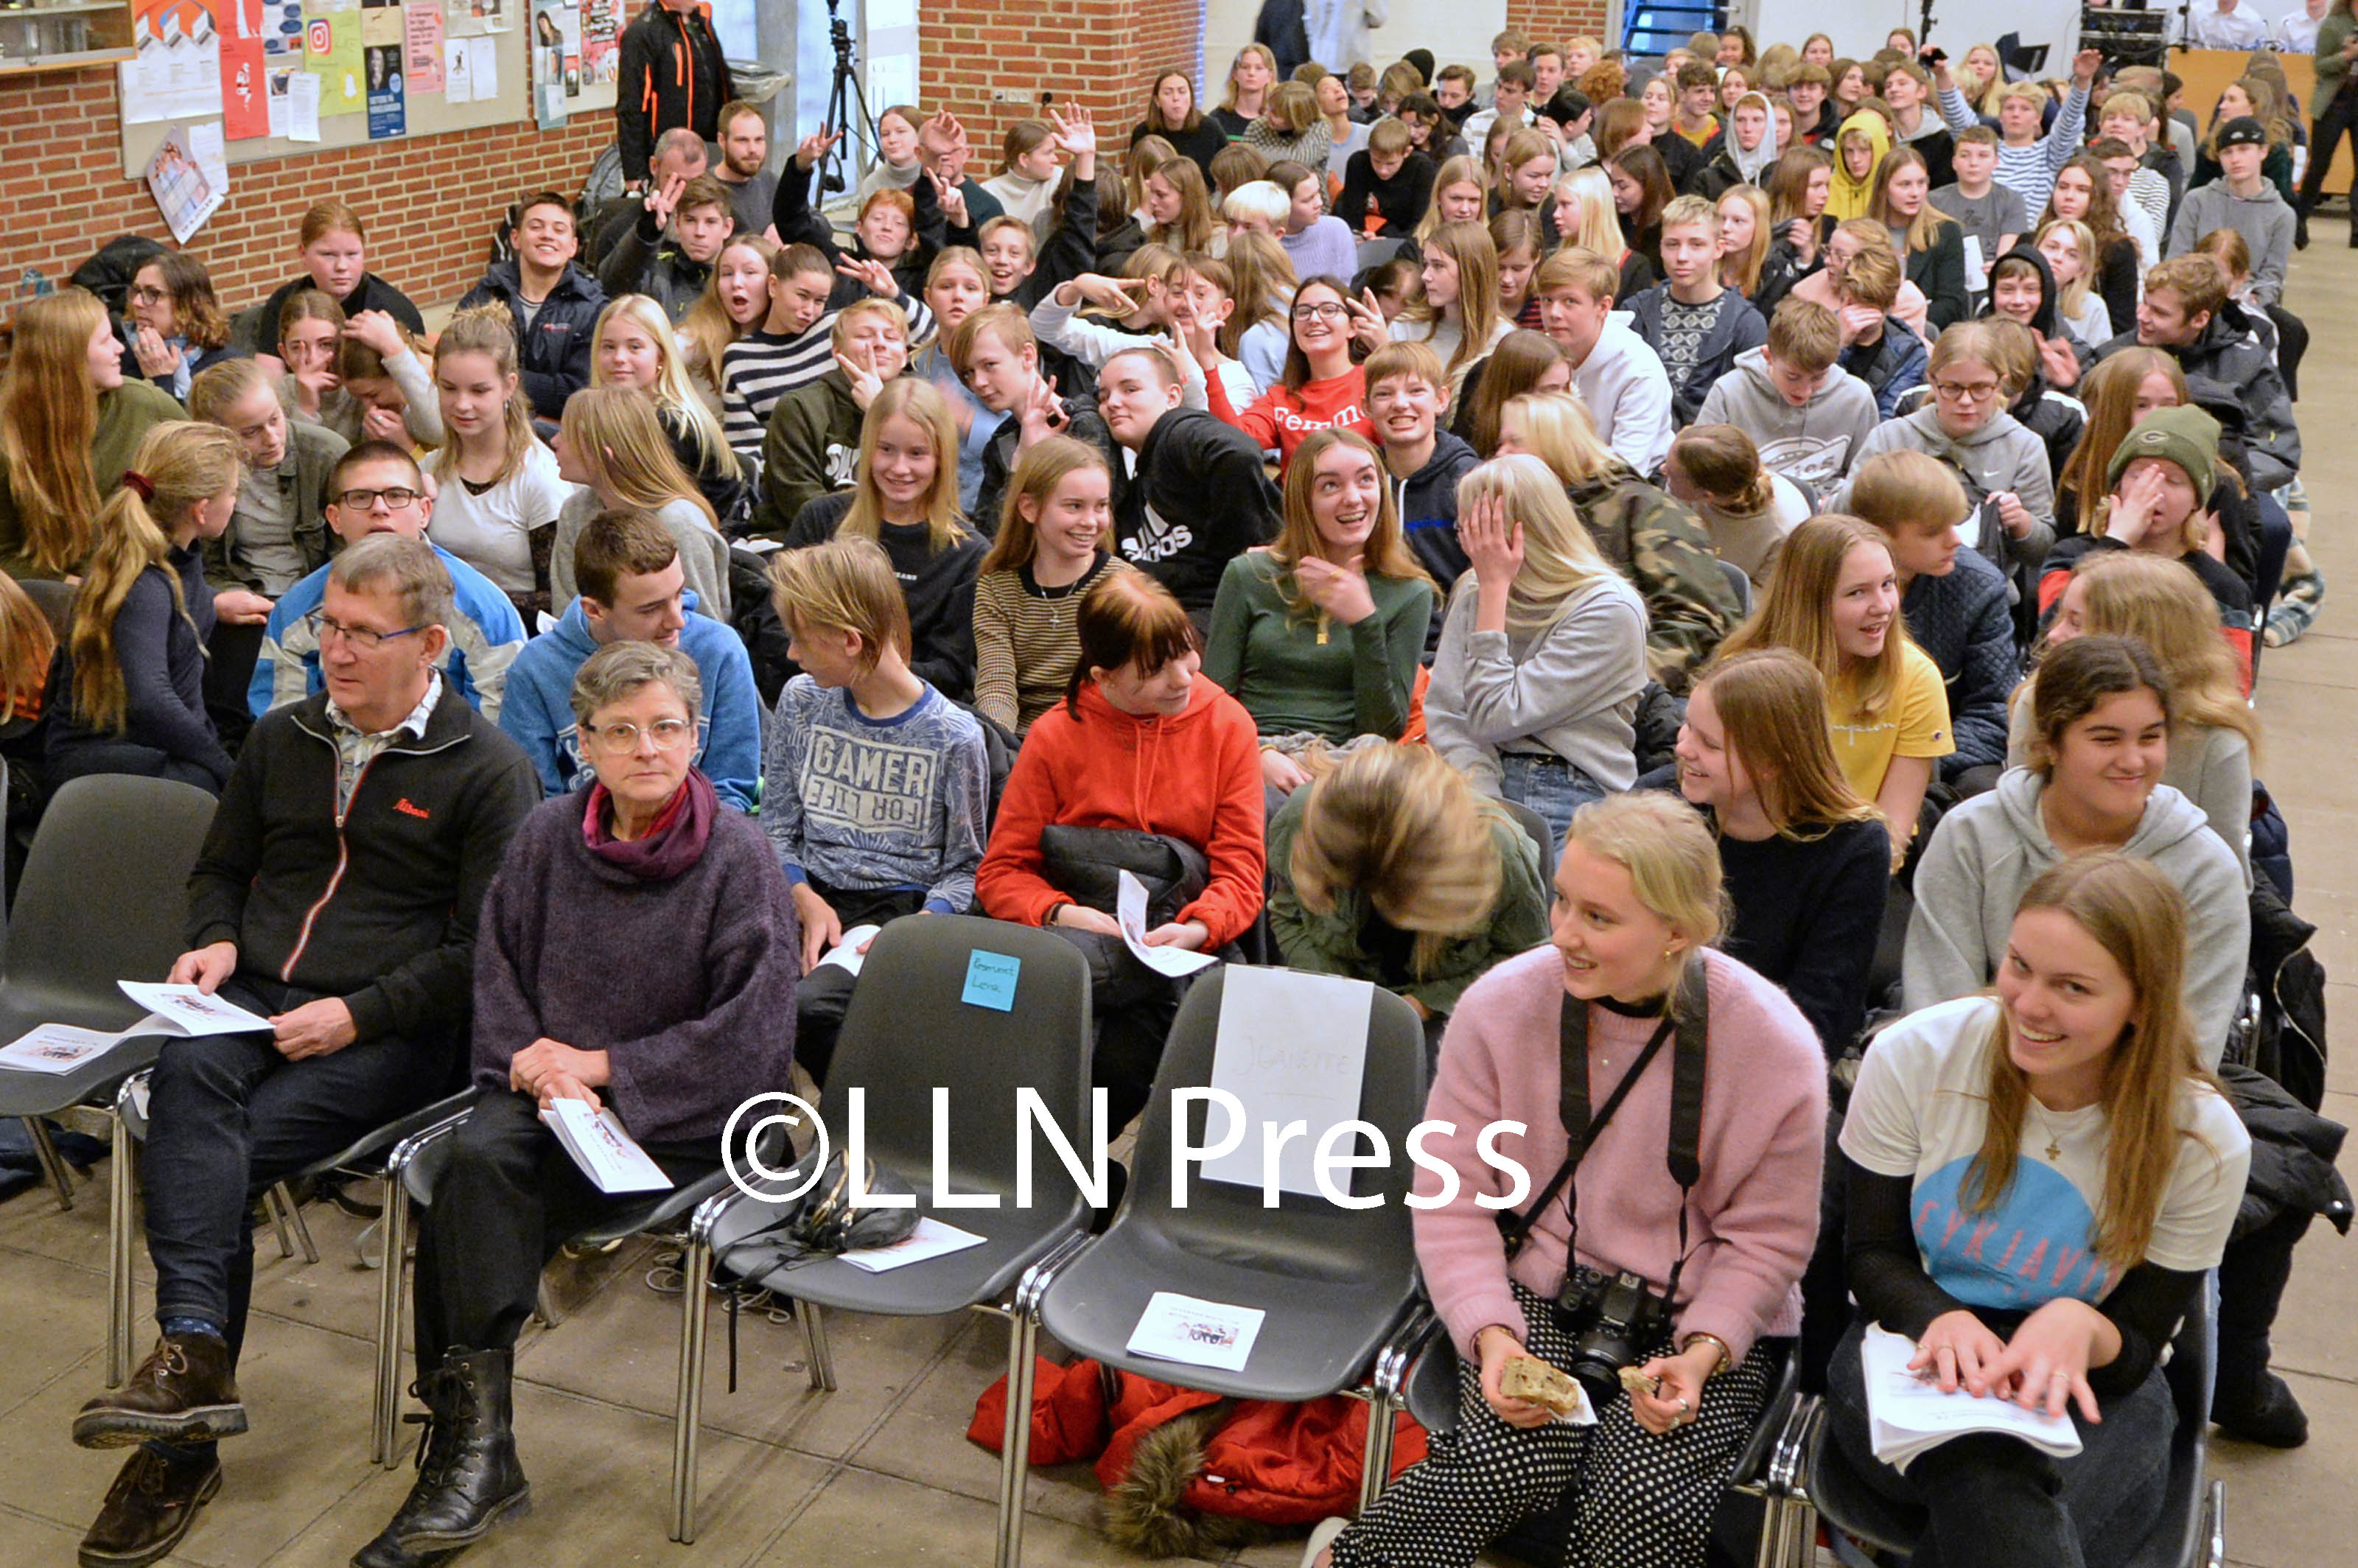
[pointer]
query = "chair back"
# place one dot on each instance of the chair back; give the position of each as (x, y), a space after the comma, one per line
(104, 895)
(1313, 1237)
(54, 599)
(1535, 828)
(909, 1030)
(1738, 585)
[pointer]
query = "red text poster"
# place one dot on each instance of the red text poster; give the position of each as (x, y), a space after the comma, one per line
(245, 96)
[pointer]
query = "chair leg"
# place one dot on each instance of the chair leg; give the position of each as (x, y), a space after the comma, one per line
(294, 1212)
(53, 1164)
(385, 1417)
(814, 1347)
(1015, 1437)
(687, 1414)
(1376, 1457)
(121, 1189)
(272, 1205)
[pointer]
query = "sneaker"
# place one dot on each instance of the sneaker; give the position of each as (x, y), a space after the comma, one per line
(184, 1392)
(2263, 1412)
(150, 1507)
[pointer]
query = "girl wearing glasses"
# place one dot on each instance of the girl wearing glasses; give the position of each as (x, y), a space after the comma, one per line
(1319, 389)
(175, 327)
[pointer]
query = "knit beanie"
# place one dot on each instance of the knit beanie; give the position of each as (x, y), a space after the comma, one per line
(2187, 437)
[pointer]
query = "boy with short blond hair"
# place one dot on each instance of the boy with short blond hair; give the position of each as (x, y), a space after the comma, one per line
(1808, 415)
(1613, 369)
(1695, 325)
(1407, 393)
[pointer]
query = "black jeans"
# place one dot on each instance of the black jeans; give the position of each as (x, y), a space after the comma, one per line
(824, 994)
(2324, 137)
(228, 1116)
(509, 1198)
(1997, 1502)
(1134, 1007)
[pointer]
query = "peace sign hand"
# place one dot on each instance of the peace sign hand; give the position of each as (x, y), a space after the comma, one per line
(865, 382)
(815, 146)
(871, 272)
(1369, 327)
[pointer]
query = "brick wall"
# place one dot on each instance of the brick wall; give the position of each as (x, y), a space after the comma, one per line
(1552, 21)
(1104, 54)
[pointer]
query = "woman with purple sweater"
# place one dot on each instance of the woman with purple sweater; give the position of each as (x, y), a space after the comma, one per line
(1629, 973)
(638, 953)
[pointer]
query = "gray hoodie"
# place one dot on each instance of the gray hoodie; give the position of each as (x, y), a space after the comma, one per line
(1816, 443)
(2264, 220)
(2004, 454)
(1989, 849)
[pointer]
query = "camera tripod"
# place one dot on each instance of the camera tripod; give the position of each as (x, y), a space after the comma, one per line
(847, 105)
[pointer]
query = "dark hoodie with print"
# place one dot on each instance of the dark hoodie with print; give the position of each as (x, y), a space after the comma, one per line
(1428, 515)
(2055, 418)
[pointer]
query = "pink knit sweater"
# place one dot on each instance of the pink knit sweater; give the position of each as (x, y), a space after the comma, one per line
(1752, 1217)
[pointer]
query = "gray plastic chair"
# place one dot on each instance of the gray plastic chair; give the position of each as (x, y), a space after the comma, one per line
(1738, 584)
(1535, 828)
(1335, 1283)
(1375, 253)
(907, 1031)
(104, 898)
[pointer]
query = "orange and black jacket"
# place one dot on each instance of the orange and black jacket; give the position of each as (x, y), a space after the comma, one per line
(672, 74)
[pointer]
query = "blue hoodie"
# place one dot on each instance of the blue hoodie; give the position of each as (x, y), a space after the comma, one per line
(486, 634)
(538, 713)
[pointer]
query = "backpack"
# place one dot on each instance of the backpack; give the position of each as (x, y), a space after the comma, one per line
(108, 273)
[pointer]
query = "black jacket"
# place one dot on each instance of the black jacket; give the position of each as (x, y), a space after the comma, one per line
(936, 585)
(649, 262)
(2226, 352)
(1082, 423)
(1401, 200)
(379, 908)
(371, 293)
(1199, 499)
(553, 353)
(673, 73)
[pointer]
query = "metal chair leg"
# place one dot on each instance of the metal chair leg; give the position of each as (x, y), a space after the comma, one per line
(687, 1414)
(271, 1205)
(121, 1189)
(814, 1347)
(294, 1212)
(1016, 1438)
(1376, 1456)
(53, 1164)
(385, 1417)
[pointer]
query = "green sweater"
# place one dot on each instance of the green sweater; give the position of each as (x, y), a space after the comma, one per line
(125, 415)
(2333, 70)
(1332, 945)
(1297, 674)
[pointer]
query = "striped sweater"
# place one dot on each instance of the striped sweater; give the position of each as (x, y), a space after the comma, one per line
(2028, 171)
(761, 367)
(1024, 642)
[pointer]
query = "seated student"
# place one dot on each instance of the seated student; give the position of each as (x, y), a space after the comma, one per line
(1807, 858)
(1407, 393)
(1242, 300)
(130, 677)
(1954, 602)
(995, 353)
(1749, 261)
(1055, 542)
(2022, 290)
(1641, 189)
(875, 786)
(1801, 184)
(389, 392)
(1929, 240)
(641, 874)
(2003, 464)
(1652, 540)
(1695, 325)
(794, 344)
(2244, 199)
(679, 153)
(173, 326)
(1991, 216)
(627, 567)
(2186, 312)
(305, 334)
(1319, 635)
(69, 425)
(638, 351)
(1519, 239)
(1619, 378)
(1743, 154)
(1637, 914)
(366, 991)
(744, 141)
(900, 163)
(1430, 131)
(668, 254)
(1461, 194)
(2120, 170)
(1879, 348)
(377, 488)
(1523, 361)
(2058, 418)
(1907, 88)
(1321, 389)
(1025, 185)
(1387, 185)
(1455, 308)
(2070, 1114)
(1747, 507)
(2160, 475)
(1508, 103)
(1697, 98)
(1834, 599)
(2091, 781)
(2026, 161)
(1191, 494)
(1173, 113)
(497, 489)
(1143, 744)
(612, 446)
(2083, 193)
(332, 245)
(2214, 735)
(734, 304)
(815, 430)
(1527, 166)
(2070, 249)
(1543, 650)
(905, 498)
(1807, 88)
(1315, 241)
(1149, 300)
(1388, 867)
(552, 305)
(2160, 182)
(954, 291)
(278, 533)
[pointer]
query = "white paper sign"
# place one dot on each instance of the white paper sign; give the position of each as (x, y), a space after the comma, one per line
(1130, 911)
(303, 107)
(455, 56)
(1976, 270)
(55, 1048)
(186, 1011)
(1291, 1047)
(852, 952)
(932, 1238)
(1203, 1333)
(606, 1152)
(483, 68)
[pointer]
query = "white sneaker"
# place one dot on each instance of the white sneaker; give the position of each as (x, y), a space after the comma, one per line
(1322, 1538)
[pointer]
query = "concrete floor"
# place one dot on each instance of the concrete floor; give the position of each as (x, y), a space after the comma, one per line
(881, 1472)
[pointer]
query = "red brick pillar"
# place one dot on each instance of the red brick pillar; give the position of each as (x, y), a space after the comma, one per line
(1103, 54)
(1552, 21)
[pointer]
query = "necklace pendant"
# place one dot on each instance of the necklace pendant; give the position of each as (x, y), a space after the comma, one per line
(2054, 1151)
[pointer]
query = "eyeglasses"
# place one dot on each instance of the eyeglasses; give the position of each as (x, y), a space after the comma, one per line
(144, 295)
(361, 637)
(366, 500)
(1324, 310)
(621, 740)
(1963, 392)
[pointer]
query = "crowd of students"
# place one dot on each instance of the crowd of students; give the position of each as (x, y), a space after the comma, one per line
(1367, 500)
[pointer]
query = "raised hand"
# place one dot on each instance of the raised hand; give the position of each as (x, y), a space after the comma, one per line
(950, 198)
(377, 329)
(2085, 64)
(815, 146)
(1368, 328)
(156, 357)
(1117, 297)
(666, 197)
(874, 273)
(865, 382)
(1494, 543)
(1075, 132)
(1041, 414)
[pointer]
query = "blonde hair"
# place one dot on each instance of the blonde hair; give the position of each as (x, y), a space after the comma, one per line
(844, 585)
(1771, 705)
(487, 329)
(1560, 433)
(921, 404)
(1797, 611)
(708, 330)
(616, 435)
(1257, 275)
(675, 391)
(1468, 246)
(2161, 604)
(1559, 559)
(1038, 473)
(2072, 299)
(1192, 230)
(1402, 829)
(1907, 489)
(1740, 270)
(1267, 58)
(27, 643)
(1672, 858)
(1599, 231)
(222, 386)
(1463, 169)
(185, 464)
(49, 422)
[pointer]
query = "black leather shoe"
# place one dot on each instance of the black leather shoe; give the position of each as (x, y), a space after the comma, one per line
(149, 1509)
(2262, 1411)
(184, 1392)
(468, 1475)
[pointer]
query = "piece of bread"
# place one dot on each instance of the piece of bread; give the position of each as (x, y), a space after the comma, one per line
(1528, 1377)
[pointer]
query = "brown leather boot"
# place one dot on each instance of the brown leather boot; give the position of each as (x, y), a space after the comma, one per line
(184, 1392)
(149, 1509)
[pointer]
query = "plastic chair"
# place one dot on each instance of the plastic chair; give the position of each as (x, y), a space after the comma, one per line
(103, 898)
(907, 1031)
(1375, 253)
(1335, 1283)
(1536, 829)
(1738, 585)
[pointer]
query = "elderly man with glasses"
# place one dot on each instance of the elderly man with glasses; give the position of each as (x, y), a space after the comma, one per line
(337, 897)
(377, 488)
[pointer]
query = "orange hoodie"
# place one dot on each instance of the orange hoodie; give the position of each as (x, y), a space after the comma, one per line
(1195, 778)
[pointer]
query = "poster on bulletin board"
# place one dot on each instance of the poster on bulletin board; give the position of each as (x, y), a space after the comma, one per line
(175, 71)
(332, 52)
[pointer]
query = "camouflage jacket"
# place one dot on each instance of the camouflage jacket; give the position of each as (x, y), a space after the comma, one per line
(1661, 547)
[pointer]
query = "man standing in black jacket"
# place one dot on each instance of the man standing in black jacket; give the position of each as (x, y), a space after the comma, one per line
(673, 73)
(337, 896)
(552, 304)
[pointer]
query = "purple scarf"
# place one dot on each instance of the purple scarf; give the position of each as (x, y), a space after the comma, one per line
(675, 842)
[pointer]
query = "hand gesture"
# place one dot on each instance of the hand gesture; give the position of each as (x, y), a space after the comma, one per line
(2046, 1364)
(378, 330)
(1075, 132)
(1497, 1346)
(1340, 590)
(1189, 933)
(822, 927)
(1802, 235)
(1957, 1351)
(1282, 772)
(865, 382)
(2061, 365)
(1117, 297)
(1493, 543)
(2084, 66)
(947, 131)
(384, 425)
(205, 968)
(241, 608)
(815, 146)
(1677, 1394)
(1854, 320)
(872, 273)
(1040, 415)
(1368, 328)
(315, 1028)
(666, 197)
(2135, 508)
(156, 358)
(950, 198)
(2012, 513)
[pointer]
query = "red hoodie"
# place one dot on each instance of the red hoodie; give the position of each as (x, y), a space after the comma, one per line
(1195, 778)
(1285, 418)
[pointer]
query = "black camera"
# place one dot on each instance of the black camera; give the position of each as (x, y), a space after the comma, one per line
(1612, 1319)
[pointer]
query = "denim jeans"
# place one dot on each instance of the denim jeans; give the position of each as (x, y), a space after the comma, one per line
(1551, 786)
(1997, 1502)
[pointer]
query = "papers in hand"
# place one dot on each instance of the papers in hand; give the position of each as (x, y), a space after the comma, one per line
(849, 954)
(1203, 1333)
(55, 1048)
(932, 1238)
(186, 1011)
(1130, 913)
(1908, 1414)
(607, 1154)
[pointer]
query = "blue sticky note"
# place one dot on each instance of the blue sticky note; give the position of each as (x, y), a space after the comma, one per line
(991, 980)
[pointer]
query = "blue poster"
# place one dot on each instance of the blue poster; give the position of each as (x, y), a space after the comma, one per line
(388, 111)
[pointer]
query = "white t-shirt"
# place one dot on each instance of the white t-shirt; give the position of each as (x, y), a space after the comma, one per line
(1917, 1111)
(490, 531)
